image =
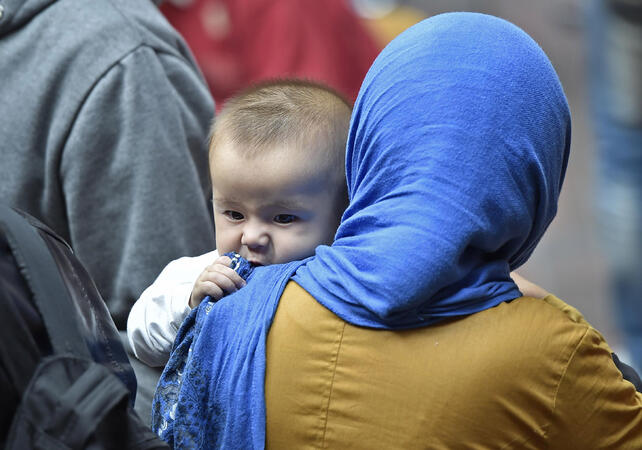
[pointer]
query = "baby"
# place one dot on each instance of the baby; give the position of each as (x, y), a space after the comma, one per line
(277, 168)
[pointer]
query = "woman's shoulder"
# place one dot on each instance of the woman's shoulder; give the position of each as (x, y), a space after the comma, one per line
(566, 311)
(550, 313)
(529, 329)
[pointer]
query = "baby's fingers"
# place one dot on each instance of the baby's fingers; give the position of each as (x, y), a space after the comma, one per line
(202, 288)
(205, 288)
(225, 269)
(226, 278)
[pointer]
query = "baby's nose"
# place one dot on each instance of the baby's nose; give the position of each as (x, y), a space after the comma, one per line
(255, 237)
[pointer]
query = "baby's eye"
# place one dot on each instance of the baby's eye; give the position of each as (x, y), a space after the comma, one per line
(284, 218)
(233, 215)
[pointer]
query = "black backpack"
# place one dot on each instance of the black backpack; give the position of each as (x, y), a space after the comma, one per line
(65, 380)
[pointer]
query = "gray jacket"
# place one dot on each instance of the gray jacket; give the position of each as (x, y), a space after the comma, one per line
(103, 125)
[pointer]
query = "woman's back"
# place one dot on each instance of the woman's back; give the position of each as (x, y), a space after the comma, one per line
(526, 374)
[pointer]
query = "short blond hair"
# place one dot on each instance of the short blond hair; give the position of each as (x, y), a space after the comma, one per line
(286, 112)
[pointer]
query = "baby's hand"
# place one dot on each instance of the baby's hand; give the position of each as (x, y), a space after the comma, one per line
(217, 280)
(528, 288)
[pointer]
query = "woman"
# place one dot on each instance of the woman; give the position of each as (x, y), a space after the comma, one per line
(408, 331)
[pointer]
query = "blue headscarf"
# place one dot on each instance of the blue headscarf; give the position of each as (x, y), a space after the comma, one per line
(457, 150)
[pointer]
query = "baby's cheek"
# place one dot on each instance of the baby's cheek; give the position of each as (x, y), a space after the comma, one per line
(227, 242)
(297, 249)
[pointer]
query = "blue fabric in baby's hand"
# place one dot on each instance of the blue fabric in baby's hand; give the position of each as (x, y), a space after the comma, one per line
(165, 401)
(240, 265)
(199, 368)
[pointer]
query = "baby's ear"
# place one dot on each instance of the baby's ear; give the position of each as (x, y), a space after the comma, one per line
(528, 288)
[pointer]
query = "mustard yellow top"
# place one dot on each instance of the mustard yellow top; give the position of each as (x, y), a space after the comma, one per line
(529, 374)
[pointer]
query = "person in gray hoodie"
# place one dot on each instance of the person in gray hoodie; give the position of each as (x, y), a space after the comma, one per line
(104, 118)
(103, 125)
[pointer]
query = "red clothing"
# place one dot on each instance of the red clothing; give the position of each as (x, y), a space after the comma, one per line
(237, 42)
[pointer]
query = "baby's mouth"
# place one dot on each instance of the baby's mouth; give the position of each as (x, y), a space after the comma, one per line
(256, 260)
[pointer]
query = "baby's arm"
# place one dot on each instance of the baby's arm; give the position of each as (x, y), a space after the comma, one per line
(217, 280)
(156, 316)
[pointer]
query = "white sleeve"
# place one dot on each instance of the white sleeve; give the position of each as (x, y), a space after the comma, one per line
(156, 316)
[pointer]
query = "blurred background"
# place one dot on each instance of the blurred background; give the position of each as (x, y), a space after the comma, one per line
(592, 264)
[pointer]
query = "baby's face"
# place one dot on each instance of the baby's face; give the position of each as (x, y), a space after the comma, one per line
(271, 208)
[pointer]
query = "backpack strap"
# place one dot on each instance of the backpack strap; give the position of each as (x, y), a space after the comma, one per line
(50, 293)
(85, 405)
(67, 404)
